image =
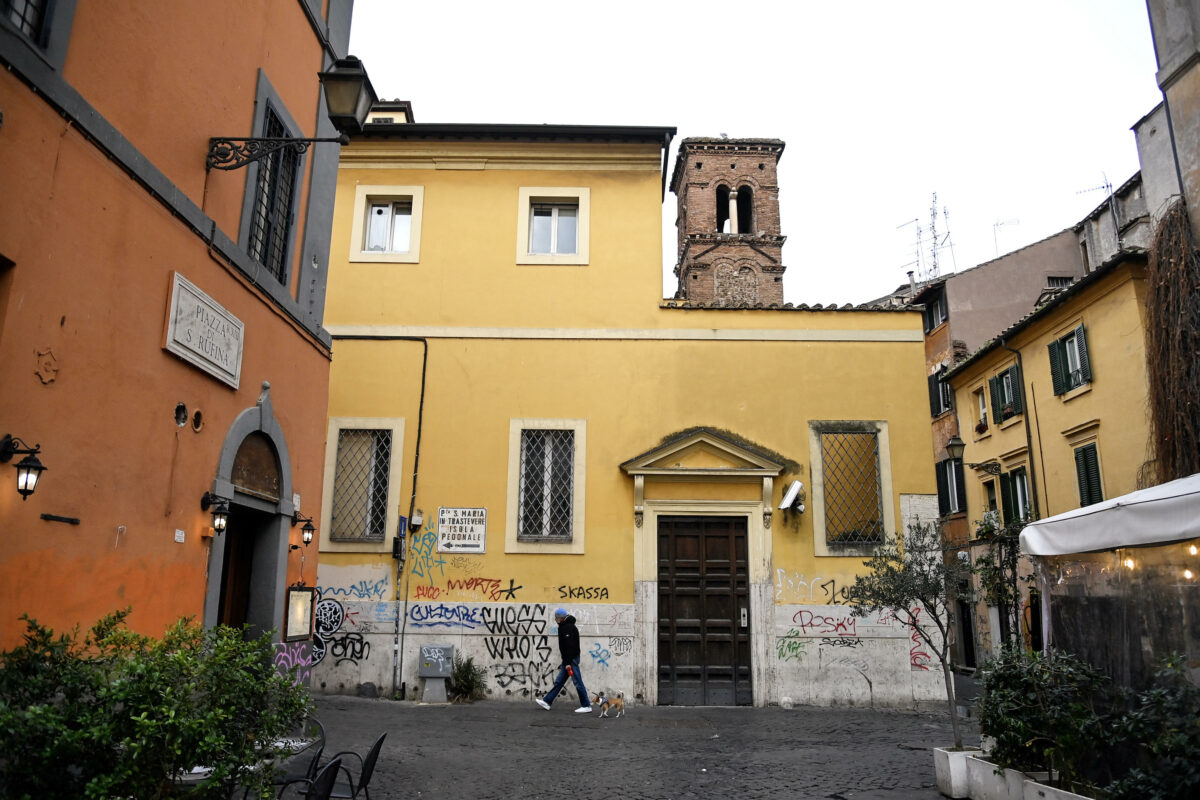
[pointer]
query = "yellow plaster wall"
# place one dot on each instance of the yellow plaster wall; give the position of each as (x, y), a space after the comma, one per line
(1112, 312)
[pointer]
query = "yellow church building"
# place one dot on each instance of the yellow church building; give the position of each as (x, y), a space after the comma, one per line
(519, 421)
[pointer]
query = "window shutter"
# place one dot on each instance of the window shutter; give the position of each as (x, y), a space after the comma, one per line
(1085, 364)
(943, 489)
(935, 398)
(1087, 470)
(1008, 498)
(960, 483)
(994, 387)
(1056, 367)
(1016, 389)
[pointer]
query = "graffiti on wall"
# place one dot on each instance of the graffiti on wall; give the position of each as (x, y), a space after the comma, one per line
(792, 587)
(329, 639)
(519, 643)
(360, 590)
(426, 563)
(444, 615)
(294, 655)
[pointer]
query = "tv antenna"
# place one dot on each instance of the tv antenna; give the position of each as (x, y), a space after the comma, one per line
(927, 267)
(996, 229)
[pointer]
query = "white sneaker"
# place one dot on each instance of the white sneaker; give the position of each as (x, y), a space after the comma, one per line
(581, 710)
(543, 704)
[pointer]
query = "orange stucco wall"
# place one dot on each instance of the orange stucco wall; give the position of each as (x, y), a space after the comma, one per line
(92, 255)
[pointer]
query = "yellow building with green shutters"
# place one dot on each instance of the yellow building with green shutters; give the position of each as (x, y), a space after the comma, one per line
(1054, 414)
(518, 421)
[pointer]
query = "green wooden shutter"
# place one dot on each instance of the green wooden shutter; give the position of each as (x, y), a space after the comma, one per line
(1008, 498)
(1057, 359)
(1087, 470)
(935, 398)
(1015, 380)
(960, 483)
(994, 388)
(943, 489)
(1085, 364)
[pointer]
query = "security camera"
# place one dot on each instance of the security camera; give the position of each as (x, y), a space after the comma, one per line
(791, 494)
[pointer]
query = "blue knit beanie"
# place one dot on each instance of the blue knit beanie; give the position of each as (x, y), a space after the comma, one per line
(560, 612)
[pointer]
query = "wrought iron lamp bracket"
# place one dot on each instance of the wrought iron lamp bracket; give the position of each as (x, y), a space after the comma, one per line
(990, 467)
(229, 153)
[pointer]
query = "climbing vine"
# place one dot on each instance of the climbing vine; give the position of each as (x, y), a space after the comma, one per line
(1172, 341)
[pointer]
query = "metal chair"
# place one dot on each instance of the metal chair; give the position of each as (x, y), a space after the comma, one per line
(351, 788)
(319, 787)
(305, 765)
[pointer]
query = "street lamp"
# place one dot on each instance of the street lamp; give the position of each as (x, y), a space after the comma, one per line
(348, 99)
(220, 510)
(29, 468)
(306, 532)
(955, 449)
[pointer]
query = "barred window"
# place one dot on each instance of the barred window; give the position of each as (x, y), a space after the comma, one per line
(852, 487)
(360, 486)
(271, 217)
(27, 15)
(547, 484)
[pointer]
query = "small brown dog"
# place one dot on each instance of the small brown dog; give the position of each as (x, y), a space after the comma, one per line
(610, 704)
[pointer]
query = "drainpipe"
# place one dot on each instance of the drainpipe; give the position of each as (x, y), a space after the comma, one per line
(400, 628)
(1037, 514)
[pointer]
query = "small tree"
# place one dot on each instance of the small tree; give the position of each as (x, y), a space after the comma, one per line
(915, 582)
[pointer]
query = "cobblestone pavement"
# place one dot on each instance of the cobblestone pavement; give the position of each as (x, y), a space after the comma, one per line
(498, 749)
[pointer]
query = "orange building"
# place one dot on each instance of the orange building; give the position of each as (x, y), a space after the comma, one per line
(161, 328)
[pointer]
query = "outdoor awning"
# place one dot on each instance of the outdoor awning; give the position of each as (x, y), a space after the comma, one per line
(1164, 513)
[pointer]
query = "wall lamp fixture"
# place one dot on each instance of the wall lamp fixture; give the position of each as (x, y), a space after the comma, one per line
(348, 99)
(29, 468)
(306, 533)
(220, 510)
(955, 449)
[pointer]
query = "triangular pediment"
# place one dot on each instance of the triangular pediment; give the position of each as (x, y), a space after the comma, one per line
(702, 452)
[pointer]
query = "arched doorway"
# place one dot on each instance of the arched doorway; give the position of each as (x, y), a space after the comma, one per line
(247, 572)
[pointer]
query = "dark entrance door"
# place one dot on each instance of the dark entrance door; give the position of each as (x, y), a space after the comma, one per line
(243, 537)
(703, 612)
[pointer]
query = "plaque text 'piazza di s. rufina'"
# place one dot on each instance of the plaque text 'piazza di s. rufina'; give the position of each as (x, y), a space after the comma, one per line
(203, 333)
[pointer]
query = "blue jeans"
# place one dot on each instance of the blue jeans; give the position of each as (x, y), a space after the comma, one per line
(561, 681)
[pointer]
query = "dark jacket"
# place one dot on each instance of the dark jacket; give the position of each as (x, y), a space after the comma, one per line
(568, 640)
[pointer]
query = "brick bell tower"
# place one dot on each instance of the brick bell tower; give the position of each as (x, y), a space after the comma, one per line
(730, 249)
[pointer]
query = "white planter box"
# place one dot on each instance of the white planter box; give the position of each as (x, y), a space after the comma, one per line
(984, 783)
(950, 769)
(1041, 791)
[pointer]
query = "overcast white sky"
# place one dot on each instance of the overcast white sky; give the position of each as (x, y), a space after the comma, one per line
(1009, 110)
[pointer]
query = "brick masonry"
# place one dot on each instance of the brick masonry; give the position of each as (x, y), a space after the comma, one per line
(737, 268)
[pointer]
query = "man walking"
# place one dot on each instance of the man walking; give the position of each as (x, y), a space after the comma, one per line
(568, 648)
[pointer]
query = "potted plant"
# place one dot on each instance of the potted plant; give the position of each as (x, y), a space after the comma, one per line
(1008, 411)
(914, 581)
(981, 426)
(1041, 712)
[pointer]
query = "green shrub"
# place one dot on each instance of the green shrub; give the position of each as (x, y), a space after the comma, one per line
(119, 714)
(467, 681)
(1162, 728)
(1042, 712)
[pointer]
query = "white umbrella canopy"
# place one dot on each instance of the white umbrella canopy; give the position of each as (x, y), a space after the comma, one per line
(1164, 513)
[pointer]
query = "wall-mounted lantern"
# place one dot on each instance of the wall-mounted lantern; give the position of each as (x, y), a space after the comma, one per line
(306, 532)
(220, 510)
(955, 449)
(29, 468)
(348, 99)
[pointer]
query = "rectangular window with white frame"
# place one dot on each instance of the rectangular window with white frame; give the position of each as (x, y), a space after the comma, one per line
(546, 486)
(952, 491)
(387, 224)
(981, 420)
(362, 483)
(1070, 366)
(553, 225)
(1005, 390)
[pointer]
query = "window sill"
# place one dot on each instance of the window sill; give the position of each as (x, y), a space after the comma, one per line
(553, 260)
(1008, 423)
(361, 257)
(979, 437)
(1076, 392)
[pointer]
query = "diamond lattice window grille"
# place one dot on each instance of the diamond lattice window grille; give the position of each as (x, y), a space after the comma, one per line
(853, 499)
(547, 484)
(360, 486)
